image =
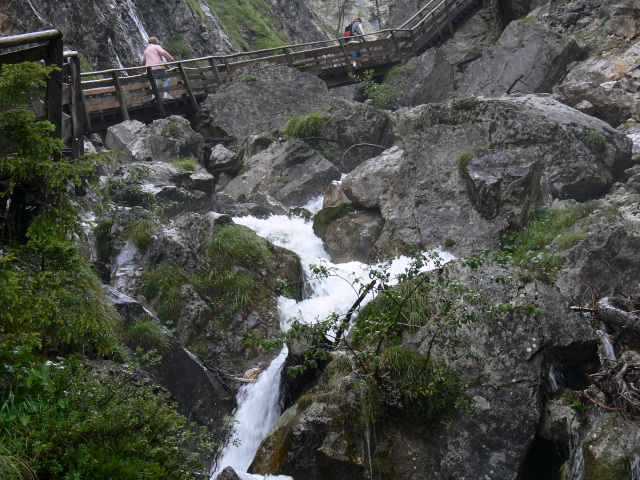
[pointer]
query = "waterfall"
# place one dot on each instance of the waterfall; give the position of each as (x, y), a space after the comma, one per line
(607, 352)
(556, 379)
(258, 404)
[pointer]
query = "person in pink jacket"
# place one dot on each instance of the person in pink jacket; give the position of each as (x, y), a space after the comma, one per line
(153, 56)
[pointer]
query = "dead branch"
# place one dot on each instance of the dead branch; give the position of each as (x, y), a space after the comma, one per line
(359, 145)
(612, 315)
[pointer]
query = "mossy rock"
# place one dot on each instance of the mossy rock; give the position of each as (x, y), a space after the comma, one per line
(324, 217)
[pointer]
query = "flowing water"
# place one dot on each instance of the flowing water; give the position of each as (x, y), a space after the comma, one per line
(259, 404)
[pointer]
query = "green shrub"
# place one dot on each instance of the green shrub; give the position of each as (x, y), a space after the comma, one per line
(301, 126)
(113, 425)
(526, 20)
(104, 241)
(382, 94)
(401, 69)
(146, 334)
(568, 240)
(173, 128)
(178, 48)
(462, 159)
(141, 232)
(449, 242)
(249, 78)
(253, 16)
(163, 289)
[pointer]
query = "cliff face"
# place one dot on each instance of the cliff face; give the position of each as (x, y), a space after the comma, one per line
(114, 34)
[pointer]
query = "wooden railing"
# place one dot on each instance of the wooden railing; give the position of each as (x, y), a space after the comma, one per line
(62, 101)
(92, 101)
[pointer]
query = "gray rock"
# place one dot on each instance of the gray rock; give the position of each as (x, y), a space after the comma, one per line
(334, 195)
(291, 172)
(528, 58)
(352, 237)
(222, 158)
(365, 184)
(228, 474)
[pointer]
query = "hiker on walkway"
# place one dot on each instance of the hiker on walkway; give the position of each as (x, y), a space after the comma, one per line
(153, 56)
(356, 29)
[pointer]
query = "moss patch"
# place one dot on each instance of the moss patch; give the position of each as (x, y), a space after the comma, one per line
(324, 217)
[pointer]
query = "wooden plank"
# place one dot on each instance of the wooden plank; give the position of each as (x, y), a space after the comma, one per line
(26, 55)
(121, 102)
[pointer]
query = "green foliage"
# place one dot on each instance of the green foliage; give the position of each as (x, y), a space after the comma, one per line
(195, 6)
(235, 244)
(252, 16)
(449, 242)
(74, 420)
(287, 288)
(249, 78)
(462, 159)
(163, 289)
(104, 241)
(527, 247)
(595, 140)
(627, 125)
(568, 240)
(52, 299)
(188, 163)
(174, 130)
(301, 126)
(324, 217)
(526, 20)
(382, 94)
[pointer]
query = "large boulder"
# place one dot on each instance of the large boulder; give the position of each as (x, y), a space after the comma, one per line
(528, 58)
(291, 172)
(469, 168)
(319, 432)
(166, 139)
(263, 98)
(425, 79)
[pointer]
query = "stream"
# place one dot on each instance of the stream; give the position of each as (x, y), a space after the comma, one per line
(259, 405)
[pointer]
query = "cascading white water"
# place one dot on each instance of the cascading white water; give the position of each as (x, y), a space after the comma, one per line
(259, 406)
(326, 295)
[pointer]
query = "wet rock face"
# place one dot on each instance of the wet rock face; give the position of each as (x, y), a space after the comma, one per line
(114, 34)
(291, 172)
(471, 167)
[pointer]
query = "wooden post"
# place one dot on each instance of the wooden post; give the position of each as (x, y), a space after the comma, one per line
(395, 42)
(227, 65)
(214, 65)
(119, 94)
(54, 86)
(346, 57)
(156, 91)
(192, 99)
(289, 60)
(77, 106)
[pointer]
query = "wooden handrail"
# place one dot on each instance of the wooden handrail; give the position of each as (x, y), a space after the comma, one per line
(25, 38)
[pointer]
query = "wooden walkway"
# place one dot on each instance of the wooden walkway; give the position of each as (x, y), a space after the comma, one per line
(93, 101)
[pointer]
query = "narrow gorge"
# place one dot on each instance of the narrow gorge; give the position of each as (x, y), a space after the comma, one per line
(429, 274)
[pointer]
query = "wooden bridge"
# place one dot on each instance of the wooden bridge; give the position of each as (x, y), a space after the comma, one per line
(79, 103)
